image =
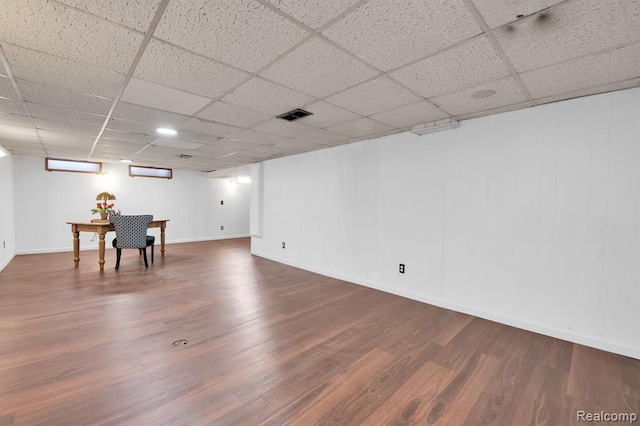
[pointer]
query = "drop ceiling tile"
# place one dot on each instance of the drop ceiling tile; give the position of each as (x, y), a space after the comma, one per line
(17, 132)
(252, 136)
(199, 125)
(325, 137)
(136, 14)
(63, 31)
(63, 98)
(34, 149)
(9, 106)
(54, 71)
(467, 65)
(242, 33)
(235, 115)
(196, 137)
(610, 87)
(173, 67)
(261, 95)
(319, 69)
(59, 142)
(569, 30)
(60, 114)
(507, 92)
(16, 120)
(377, 95)
(326, 114)
(61, 126)
(132, 127)
(360, 127)
(390, 34)
(313, 13)
(176, 143)
(410, 115)
(154, 117)
(124, 136)
(64, 136)
(284, 128)
(153, 95)
(499, 12)
(296, 145)
(6, 88)
(585, 72)
(214, 151)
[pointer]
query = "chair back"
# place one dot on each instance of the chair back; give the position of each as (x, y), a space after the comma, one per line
(131, 230)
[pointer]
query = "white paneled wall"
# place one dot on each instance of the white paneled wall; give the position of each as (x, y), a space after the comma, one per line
(529, 218)
(7, 220)
(45, 201)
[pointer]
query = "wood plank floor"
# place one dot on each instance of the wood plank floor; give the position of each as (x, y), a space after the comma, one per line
(271, 344)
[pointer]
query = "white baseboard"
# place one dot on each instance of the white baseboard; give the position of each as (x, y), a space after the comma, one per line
(582, 339)
(108, 246)
(7, 261)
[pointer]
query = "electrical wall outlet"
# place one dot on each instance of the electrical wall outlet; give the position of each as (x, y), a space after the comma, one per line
(221, 202)
(283, 244)
(222, 227)
(401, 268)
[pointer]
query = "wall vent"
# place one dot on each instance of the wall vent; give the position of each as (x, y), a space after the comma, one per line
(295, 114)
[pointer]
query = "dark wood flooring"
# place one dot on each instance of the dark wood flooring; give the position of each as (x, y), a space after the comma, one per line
(271, 344)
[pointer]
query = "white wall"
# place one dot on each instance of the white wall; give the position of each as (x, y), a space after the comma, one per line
(46, 201)
(7, 220)
(529, 218)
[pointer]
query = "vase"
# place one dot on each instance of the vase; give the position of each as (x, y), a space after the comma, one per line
(103, 215)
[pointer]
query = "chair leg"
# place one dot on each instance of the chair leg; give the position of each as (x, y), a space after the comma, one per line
(118, 254)
(152, 253)
(146, 264)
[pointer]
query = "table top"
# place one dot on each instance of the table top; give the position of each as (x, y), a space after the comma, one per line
(154, 221)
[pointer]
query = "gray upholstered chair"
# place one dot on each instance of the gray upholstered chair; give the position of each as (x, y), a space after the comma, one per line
(131, 232)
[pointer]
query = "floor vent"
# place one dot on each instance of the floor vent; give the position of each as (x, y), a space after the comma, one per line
(295, 114)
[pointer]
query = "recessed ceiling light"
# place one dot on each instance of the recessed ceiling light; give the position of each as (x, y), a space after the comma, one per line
(166, 131)
(125, 161)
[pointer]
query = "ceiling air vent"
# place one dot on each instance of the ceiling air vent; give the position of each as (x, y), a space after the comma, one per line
(295, 114)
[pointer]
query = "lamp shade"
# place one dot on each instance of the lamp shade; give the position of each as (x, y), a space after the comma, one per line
(104, 196)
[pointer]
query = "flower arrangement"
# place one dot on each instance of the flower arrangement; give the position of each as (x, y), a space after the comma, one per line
(102, 208)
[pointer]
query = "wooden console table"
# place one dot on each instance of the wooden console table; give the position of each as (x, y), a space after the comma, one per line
(101, 228)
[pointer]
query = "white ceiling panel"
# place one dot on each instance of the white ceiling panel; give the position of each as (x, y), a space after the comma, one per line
(284, 128)
(9, 106)
(199, 125)
(610, 87)
(153, 95)
(53, 71)
(325, 137)
(68, 33)
(109, 136)
(16, 120)
(589, 71)
(176, 143)
(360, 127)
(154, 117)
(377, 95)
(214, 150)
(67, 128)
(24, 148)
(313, 13)
(326, 115)
(6, 88)
(234, 115)
(72, 136)
(569, 30)
(135, 14)
(65, 115)
(63, 98)
(241, 33)
(467, 101)
(253, 136)
(296, 145)
(499, 12)
(319, 69)
(262, 95)
(391, 34)
(132, 127)
(173, 67)
(18, 133)
(410, 115)
(467, 65)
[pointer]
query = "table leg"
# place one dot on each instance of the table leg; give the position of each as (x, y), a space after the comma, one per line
(76, 248)
(162, 240)
(101, 251)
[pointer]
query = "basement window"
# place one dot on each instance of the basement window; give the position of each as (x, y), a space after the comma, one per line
(155, 172)
(57, 165)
